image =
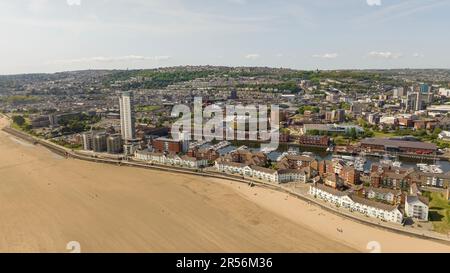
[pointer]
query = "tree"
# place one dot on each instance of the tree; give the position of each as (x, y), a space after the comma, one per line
(353, 133)
(19, 120)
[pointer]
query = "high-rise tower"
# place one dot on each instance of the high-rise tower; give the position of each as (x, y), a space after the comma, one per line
(127, 118)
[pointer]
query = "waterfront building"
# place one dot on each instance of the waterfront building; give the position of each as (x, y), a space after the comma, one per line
(163, 144)
(266, 174)
(114, 144)
(330, 128)
(171, 159)
(397, 145)
(295, 175)
(370, 208)
(296, 162)
(308, 140)
(417, 207)
(382, 194)
(99, 142)
(350, 175)
(127, 116)
(87, 141)
(391, 177)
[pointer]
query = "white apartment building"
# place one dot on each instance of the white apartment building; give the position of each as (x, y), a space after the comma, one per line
(444, 135)
(444, 92)
(127, 119)
(266, 174)
(233, 168)
(416, 208)
(257, 172)
(362, 205)
(175, 160)
(292, 175)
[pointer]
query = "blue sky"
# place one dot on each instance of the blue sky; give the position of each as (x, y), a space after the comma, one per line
(60, 35)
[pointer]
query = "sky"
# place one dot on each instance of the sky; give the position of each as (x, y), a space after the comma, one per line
(61, 35)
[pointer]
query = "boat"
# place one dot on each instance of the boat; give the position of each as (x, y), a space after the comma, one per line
(436, 169)
(397, 164)
(346, 157)
(359, 163)
(429, 168)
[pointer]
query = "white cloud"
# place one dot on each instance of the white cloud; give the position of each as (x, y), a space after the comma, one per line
(74, 2)
(279, 55)
(160, 58)
(240, 2)
(252, 56)
(417, 55)
(326, 56)
(374, 2)
(37, 5)
(101, 59)
(385, 54)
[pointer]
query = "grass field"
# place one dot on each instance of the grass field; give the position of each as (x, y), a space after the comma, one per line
(439, 212)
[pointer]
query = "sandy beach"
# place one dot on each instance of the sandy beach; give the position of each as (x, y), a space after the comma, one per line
(47, 201)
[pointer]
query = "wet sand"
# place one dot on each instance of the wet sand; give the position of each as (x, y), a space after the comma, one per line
(47, 201)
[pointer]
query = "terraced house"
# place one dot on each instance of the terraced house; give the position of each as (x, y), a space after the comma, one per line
(171, 159)
(354, 203)
(265, 174)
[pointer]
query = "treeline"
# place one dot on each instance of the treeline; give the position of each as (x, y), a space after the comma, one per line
(77, 124)
(21, 123)
(19, 99)
(158, 79)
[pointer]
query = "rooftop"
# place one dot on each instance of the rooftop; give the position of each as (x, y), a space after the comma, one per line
(388, 142)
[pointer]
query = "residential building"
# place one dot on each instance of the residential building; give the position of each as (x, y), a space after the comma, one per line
(171, 159)
(350, 175)
(385, 212)
(163, 144)
(127, 116)
(308, 140)
(114, 144)
(417, 207)
(99, 142)
(390, 177)
(383, 194)
(87, 141)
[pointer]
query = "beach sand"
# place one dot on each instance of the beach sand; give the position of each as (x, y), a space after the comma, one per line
(47, 201)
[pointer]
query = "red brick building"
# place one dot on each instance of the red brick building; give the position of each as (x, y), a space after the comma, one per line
(350, 175)
(397, 145)
(167, 145)
(322, 141)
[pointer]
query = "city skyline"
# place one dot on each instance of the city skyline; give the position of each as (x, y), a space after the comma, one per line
(351, 34)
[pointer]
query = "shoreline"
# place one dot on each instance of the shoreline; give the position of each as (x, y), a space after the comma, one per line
(251, 193)
(428, 235)
(48, 201)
